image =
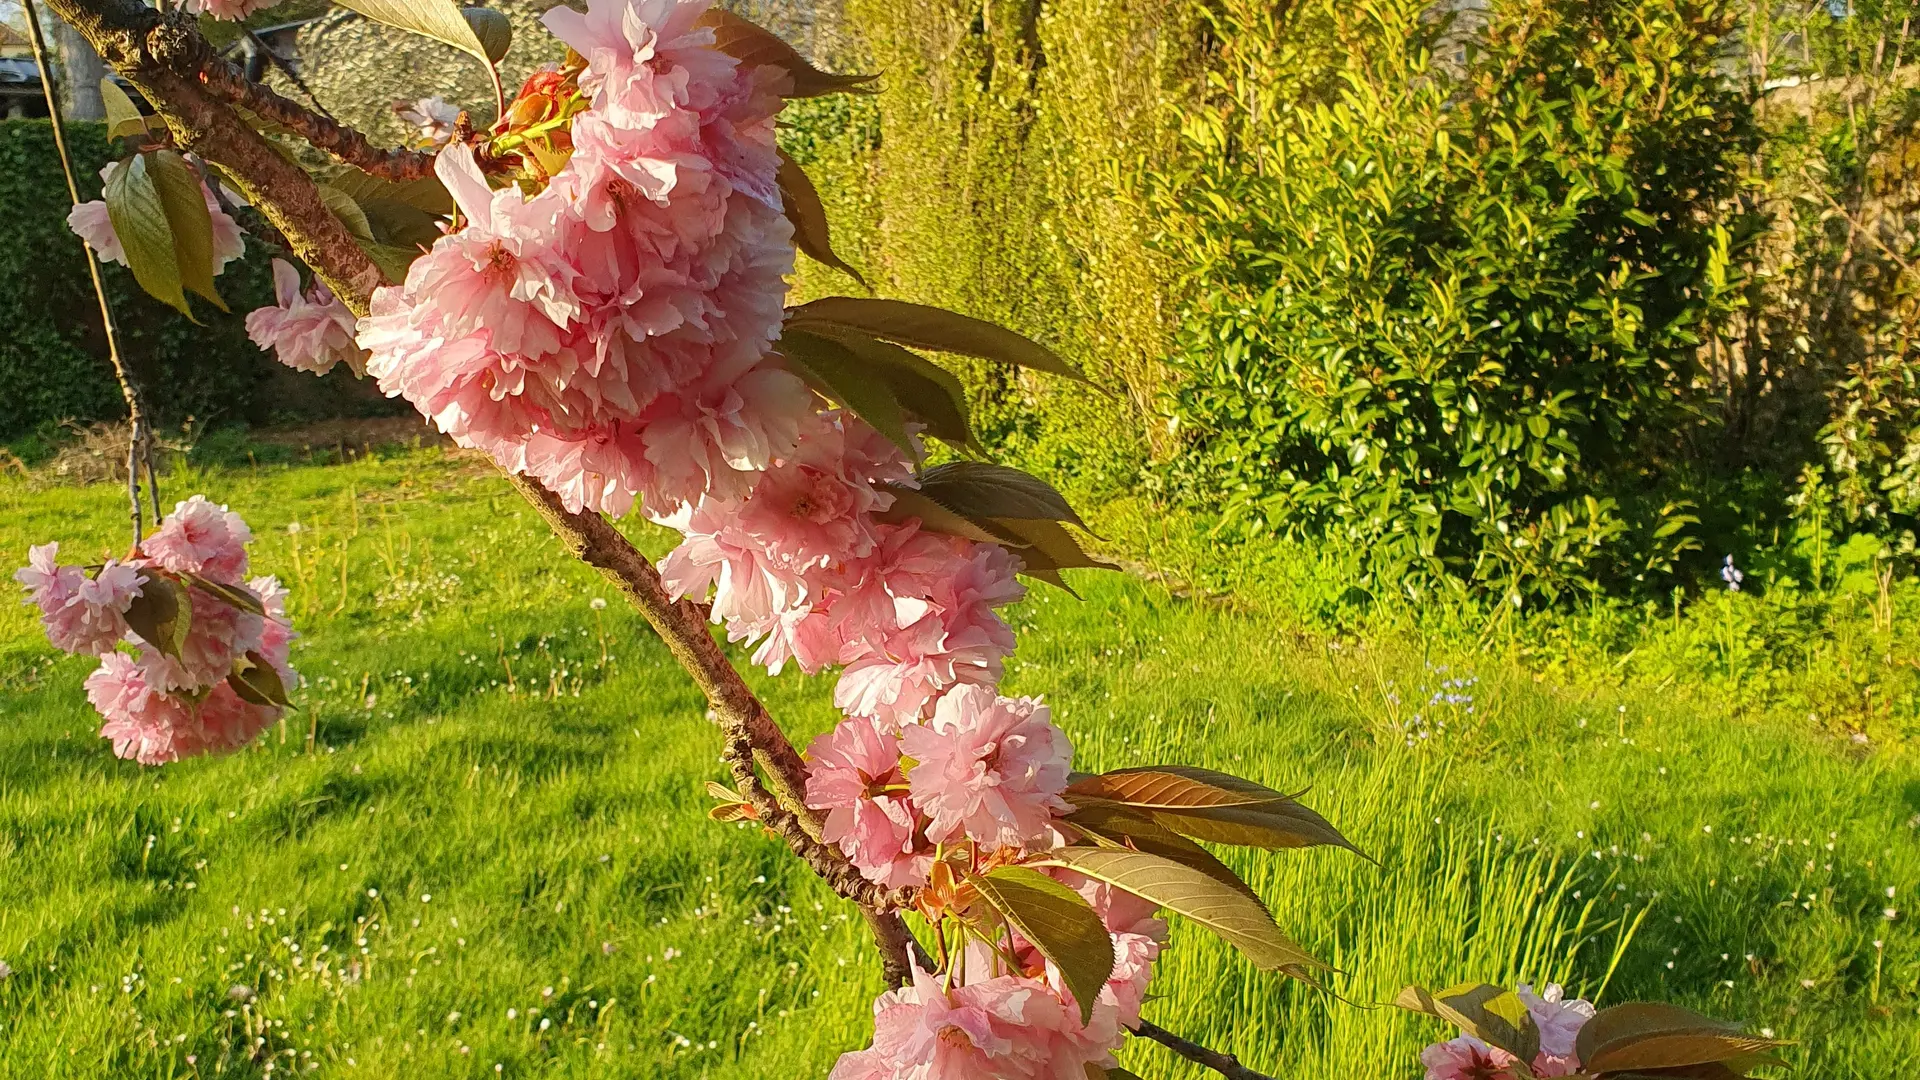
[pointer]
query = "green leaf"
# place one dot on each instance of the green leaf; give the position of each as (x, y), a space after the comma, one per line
(161, 614)
(1110, 824)
(801, 203)
(179, 186)
(833, 370)
(927, 391)
(908, 503)
(123, 116)
(755, 46)
(441, 20)
(980, 489)
(492, 29)
(1047, 548)
(258, 682)
(349, 213)
(1492, 1014)
(232, 595)
(140, 223)
(393, 261)
(1221, 908)
(1059, 922)
(1642, 1036)
(924, 327)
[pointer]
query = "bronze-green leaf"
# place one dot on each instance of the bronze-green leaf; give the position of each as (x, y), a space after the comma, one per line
(908, 503)
(833, 370)
(1175, 786)
(1221, 908)
(185, 202)
(981, 489)
(1492, 1014)
(257, 681)
(755, 46)
(1110, 824)
(232, 595)
(492, 29)
(161, 614)
(140, 224)
(441, 20)
(123, 116)
(1641, 1036)
(801, 203)
(1060, 924)
(348, 211)
(1269, 825)
(924, 327)
(928, 392)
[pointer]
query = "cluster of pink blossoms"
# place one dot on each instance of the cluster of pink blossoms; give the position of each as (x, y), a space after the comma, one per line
(161, 707)
(307, 331)
(1558, 1020)
(610, 334)
(91, 222)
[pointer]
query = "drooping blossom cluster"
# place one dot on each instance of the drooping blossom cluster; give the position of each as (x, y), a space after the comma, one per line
(164, 705)
(307, 330)
(610, 334)
(91, 222)
(1559, 1021)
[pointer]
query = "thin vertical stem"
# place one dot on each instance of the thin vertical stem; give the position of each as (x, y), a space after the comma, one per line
(136, 421)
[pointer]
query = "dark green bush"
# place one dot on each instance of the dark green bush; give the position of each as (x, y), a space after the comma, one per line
(53, 353)
(1449, 289)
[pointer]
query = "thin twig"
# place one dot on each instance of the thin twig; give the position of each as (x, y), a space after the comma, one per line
(137, 434)
(293, 76)
(228, 82)
(1225, 1064)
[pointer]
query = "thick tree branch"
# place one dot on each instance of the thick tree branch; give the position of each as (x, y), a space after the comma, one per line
(226, 81)
(1225, 1064)
(161, 54)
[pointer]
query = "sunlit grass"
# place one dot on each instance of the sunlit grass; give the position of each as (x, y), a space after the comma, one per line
(481, 841)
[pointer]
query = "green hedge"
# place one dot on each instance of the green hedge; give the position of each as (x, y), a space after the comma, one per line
(53, 356)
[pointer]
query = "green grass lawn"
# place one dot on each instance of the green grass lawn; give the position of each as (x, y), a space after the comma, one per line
(479, 847)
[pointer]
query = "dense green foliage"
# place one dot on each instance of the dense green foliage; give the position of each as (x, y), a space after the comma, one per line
(497, 850)
(1557, 296)
(1447, 310)
(53, 356)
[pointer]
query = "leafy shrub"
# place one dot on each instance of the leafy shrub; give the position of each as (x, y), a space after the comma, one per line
(53, 356)
(1449, 310)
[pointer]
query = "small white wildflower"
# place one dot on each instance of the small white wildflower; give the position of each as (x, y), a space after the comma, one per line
(598, 603)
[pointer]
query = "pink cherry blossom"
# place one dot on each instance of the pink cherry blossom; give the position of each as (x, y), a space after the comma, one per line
(91, 222)
(1004, 1028)
(154, 728)
(202, 538)
(775, 557)
(308, 331)
(1466, 1058)
(81, 614)
(853, 773)
(1559, 1021)
(432, 117)
(989, 768)
(610, 336)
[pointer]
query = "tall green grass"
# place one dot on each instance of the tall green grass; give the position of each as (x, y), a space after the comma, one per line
(494, 851)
